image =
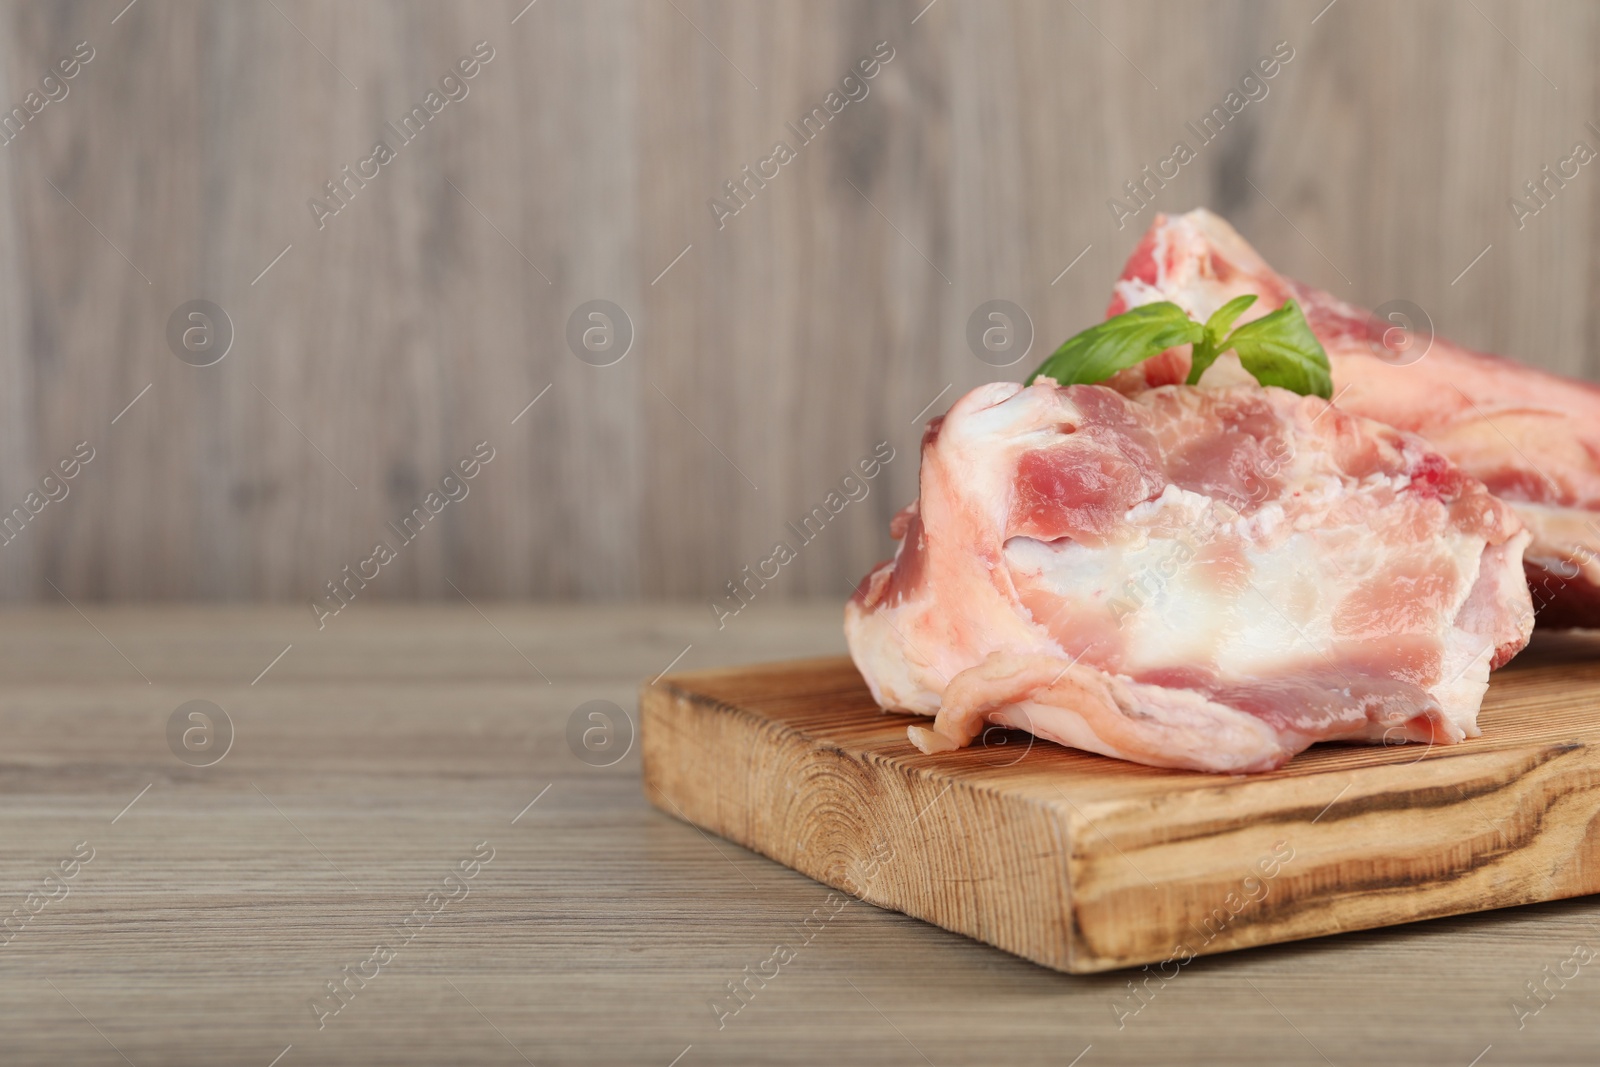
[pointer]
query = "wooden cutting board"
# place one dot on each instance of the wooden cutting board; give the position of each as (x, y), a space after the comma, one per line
(1084, 863)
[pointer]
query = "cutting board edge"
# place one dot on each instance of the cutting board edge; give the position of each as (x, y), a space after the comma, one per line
(895, 883)
(1063, 893)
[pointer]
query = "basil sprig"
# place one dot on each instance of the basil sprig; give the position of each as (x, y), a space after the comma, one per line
(1277, 349)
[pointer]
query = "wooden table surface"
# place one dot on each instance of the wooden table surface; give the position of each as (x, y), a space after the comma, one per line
(379, 755)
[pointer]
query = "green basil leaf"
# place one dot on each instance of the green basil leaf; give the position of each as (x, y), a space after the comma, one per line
(1206, 351)
(1280, 349)
(1277, 349)
(1119, 343)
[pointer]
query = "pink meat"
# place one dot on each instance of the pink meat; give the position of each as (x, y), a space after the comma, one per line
(1202, 578)
(1532, 437)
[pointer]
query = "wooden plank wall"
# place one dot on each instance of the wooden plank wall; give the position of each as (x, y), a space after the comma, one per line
(769, 358)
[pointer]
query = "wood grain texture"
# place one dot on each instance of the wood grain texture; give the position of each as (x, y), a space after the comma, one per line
(385, 747)
(1085, 864)
(776, 352)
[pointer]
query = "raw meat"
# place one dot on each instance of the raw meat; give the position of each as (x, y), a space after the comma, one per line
(1203, 578)
(1532, 437)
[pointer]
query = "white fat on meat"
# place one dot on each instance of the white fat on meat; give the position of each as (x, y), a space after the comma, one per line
(1208, 578)
(1532, 437)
